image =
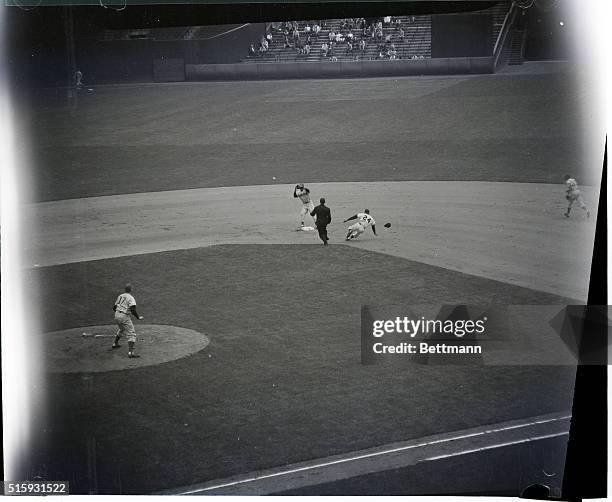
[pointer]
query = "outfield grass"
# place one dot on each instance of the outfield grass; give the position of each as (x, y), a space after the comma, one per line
(281, 380)
(507, 127)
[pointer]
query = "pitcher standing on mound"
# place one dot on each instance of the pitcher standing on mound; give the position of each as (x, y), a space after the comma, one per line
(123, 307)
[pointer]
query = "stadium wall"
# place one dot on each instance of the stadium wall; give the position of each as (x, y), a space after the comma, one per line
(461, 35)
(267, 71)
(135, 60)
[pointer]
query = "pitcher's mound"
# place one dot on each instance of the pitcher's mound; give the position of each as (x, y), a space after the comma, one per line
(88, 349)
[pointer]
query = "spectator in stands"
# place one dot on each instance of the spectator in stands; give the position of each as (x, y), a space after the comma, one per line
(324, 50)
(392, 53)
(380, 55)
(308, 40)
(306, 49)
(307, 28)
(362, 45)
(263, 45)
(252, 52)
(398, 24)
(349, 47)
(387, 20)
(269, 37)
(350, 36)
(299, 47)
(316, 29)
(332, 35)
(287, 43)
(401, 34)
(388, 39)
(339, 37)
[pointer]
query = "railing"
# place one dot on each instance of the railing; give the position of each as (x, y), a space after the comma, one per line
(503, 28)
(498, 49)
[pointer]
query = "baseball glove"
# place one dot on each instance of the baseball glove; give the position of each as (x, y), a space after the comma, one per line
(387, 225)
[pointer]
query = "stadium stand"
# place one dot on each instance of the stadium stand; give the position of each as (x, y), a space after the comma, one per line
(415, 43)
(412, 42)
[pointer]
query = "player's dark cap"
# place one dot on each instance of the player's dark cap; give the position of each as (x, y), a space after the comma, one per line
(566, 177)
(366, 211)
(322, 200)
(128, 287)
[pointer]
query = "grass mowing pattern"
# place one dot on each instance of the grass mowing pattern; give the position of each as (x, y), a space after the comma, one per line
(518, 128)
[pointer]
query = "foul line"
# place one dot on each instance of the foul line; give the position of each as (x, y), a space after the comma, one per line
(401, 448)
(493, 446)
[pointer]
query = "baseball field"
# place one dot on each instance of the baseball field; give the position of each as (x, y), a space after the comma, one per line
(250, 347)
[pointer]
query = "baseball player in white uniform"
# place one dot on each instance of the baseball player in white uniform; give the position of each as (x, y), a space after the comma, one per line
(364, 220)
(302, 193)
(572, 194)
(124, 306)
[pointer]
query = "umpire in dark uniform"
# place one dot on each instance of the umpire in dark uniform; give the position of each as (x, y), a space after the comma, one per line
(322, 216)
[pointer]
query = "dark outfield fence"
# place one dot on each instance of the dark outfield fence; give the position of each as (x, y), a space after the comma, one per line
(267, 71)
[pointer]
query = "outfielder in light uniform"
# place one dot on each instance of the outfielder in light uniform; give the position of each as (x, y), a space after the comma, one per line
(302, 193)
(123, 307)
(364, 220)
(572, 194)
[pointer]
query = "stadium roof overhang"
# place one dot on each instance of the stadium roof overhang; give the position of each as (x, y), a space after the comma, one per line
(123, 14)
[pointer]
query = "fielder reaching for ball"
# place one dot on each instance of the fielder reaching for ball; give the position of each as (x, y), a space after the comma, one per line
(302, 193)
(572, 194)
(123, 307)
(364, 220)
